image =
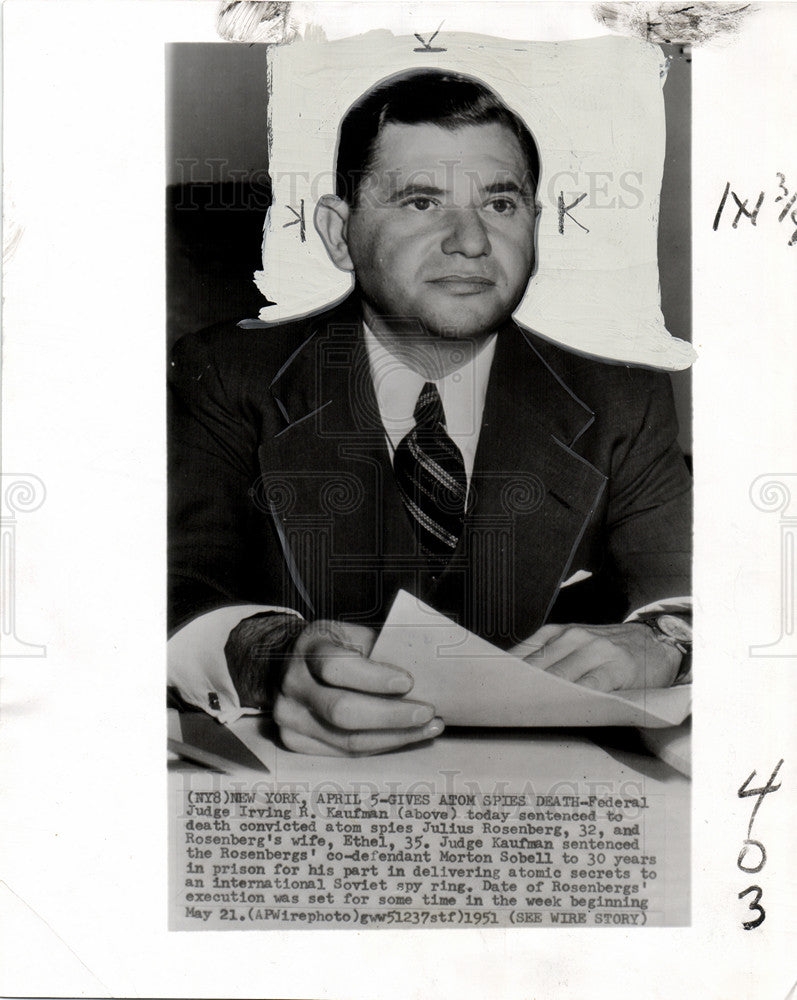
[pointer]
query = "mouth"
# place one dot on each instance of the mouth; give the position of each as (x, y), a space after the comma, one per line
(463, 284)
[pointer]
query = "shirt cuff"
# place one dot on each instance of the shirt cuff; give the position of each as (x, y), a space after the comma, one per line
(197, 666)
(668, 605)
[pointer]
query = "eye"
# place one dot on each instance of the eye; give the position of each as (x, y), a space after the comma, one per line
(421, 203)
(501, 206)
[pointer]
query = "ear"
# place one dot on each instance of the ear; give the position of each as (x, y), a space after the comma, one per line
(331, 221)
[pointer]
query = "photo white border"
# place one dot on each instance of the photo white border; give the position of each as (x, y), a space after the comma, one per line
(83, 841)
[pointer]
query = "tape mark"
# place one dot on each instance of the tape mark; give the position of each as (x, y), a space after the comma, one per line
(693, 24)
(256, 21)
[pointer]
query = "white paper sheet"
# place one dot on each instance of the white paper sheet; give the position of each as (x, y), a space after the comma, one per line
(473, 683)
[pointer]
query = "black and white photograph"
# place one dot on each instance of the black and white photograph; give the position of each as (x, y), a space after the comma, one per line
(405, 522)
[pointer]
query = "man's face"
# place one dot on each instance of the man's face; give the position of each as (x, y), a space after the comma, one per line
(443, 230)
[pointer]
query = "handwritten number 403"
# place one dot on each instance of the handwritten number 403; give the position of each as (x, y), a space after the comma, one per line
(749, 844)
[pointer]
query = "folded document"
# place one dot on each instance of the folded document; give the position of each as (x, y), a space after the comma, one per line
(473, 683)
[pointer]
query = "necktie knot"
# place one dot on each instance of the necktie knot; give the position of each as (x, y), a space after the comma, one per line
(429, 407)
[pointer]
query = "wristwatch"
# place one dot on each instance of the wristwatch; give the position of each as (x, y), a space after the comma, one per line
(674, 630)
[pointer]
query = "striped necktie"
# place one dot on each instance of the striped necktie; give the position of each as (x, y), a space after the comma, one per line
(431, 478)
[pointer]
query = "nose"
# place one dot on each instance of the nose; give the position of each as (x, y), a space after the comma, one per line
(466, 234)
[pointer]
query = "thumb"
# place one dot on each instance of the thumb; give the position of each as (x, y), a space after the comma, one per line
(357, 638)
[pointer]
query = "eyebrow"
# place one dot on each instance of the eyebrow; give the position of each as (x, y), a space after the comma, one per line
(417, 191)
(505, 187)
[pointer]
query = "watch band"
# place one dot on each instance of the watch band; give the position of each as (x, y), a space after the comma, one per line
(674, 630)
(684, 675)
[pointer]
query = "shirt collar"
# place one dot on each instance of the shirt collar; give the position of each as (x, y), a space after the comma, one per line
(398, 386)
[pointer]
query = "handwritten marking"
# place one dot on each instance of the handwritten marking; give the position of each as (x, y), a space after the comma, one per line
(750, 925)
(749, 842)
(752, 215)
(299, 220)
(785, 211)
(742, 206)
(721, 206)
(564, 210)
(427, 46)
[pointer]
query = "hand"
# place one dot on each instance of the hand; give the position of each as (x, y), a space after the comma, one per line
(603, 657)
(334, 701)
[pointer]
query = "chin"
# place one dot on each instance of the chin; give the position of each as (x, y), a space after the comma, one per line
(462, 333)
(459, 317)
(459, 326)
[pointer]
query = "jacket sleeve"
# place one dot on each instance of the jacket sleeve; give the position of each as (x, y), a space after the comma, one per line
(649, 516)
(216, 533)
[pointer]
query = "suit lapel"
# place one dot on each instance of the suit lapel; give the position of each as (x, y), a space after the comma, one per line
(344, 533)
(531, 494)
(346, 538)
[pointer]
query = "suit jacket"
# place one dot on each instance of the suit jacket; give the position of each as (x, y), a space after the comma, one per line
(282, 490)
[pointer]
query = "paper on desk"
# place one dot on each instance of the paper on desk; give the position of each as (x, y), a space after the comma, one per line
(473, 683)
(173, 730)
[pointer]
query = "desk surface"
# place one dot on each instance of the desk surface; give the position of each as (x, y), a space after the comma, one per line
(480, 755)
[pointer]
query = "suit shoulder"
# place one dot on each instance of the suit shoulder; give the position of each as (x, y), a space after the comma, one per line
(231, 349)
(245, 354)
(595, 380)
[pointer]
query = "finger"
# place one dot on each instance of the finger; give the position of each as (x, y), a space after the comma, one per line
(341, 668)
(345, 709)
(535, 642)
(575, 663)
(571, 639)
(611, 668)
(300, 730)
(299, 743)
(607, 677)
(365, 744)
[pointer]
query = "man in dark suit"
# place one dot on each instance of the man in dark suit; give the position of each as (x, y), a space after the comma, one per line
(414, 437)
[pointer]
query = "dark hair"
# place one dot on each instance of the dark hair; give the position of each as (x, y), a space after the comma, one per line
(421, 97)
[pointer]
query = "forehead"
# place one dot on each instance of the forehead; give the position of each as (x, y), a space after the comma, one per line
(487, 150)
